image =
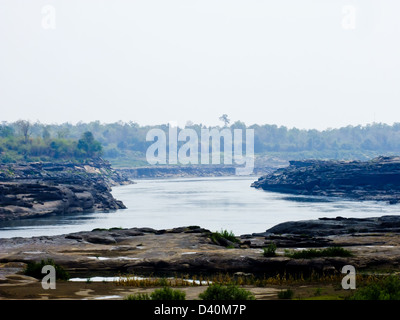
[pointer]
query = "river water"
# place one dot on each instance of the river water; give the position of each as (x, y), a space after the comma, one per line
(213, 203)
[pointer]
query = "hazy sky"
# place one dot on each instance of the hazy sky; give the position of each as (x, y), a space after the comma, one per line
(302, 63)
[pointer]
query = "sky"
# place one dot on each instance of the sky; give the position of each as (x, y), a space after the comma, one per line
(299, 63)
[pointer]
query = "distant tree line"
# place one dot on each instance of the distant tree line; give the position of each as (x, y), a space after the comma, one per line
(19, 142)
(122, 140)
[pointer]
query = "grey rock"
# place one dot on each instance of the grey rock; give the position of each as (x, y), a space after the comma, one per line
(36, 189)
(377, 179)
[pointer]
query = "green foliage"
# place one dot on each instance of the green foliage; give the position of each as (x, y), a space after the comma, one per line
(230, 292)
(270, 251)
(138, 296)
(88, 145)
(387, 288)
(316, 253)
(34, 269)
(317, 292)
(286, 294)
(166, 293)
(125, 144)
(14, 149)
(217, 236)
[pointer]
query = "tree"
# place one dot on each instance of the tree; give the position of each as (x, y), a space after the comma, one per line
(46, 134)
(89, 145)
(62, 133)
(6, 131)
(224, 119)
(24, 126)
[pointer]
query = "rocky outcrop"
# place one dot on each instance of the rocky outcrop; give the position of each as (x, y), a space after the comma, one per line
(37, 189)
(191, 250)
(378, 179)
(307, 230)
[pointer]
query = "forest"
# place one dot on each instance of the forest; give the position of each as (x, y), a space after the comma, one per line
(124, 143)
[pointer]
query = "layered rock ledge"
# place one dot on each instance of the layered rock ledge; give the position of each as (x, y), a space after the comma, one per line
(191, 250)
(377, 179)
(36, 189)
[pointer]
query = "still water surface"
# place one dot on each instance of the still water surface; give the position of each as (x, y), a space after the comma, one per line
(213, 203)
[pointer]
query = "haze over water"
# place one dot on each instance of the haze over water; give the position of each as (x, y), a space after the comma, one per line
(213, 203)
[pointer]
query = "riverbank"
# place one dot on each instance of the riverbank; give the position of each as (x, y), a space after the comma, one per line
(188, 171)
(189, 250)
(43, 188)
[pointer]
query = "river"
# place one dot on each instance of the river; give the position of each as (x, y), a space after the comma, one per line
(213, 203)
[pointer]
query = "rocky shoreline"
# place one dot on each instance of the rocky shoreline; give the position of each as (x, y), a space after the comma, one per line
(36, 189)
(376, 180)
(187, 171)
(192, 250)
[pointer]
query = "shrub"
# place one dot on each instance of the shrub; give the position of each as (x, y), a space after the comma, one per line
(315, 253)
(216, 237)
(230, 292)
(384, 289)
(286, 294)
(167, 293)
(138, 296)
(270, 250)
(34, 269)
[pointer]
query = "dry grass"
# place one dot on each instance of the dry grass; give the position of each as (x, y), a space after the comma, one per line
(241, 280)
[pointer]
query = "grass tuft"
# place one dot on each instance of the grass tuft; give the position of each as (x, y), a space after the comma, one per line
(34, 269)
(317, 253)
(230, 292)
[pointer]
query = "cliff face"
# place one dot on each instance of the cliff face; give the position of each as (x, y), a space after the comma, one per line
(36, 189)
(378, 179)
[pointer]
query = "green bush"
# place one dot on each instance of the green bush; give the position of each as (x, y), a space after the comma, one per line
(316, 253)
(167, 293)
(286, 294)
(230, 292)
(138, 296)
(34, 269)
(385, 289)
(224, 234)
(270, 250)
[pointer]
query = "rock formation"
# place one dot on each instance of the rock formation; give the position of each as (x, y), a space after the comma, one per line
(377, 179)
(41, 188)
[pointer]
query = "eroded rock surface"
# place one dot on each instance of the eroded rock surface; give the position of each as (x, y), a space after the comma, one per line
(191, 250)
(378, 179)
(36, 189)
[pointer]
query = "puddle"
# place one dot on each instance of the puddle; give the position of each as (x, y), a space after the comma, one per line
(33, 252)
(115, 279)
(104, 279)
(107, 297)
(113, 258)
